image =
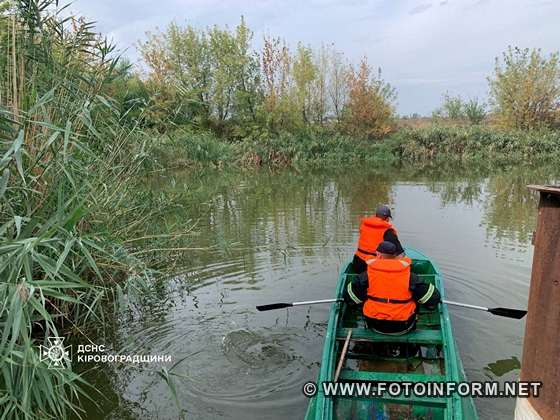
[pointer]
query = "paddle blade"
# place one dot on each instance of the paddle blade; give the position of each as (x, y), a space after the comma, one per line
(273, 306)
(509, 313)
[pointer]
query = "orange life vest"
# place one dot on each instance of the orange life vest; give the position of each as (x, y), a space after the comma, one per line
(372, 230)
(389, 297)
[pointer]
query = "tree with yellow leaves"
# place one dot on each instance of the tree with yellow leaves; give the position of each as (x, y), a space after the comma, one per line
(369, 109)
(525, 89)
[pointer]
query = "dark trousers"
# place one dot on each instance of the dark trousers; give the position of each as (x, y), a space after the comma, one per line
(392, 327)
(403, 350)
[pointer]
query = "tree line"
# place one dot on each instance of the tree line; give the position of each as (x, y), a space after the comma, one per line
(524, 93)
(212, 78)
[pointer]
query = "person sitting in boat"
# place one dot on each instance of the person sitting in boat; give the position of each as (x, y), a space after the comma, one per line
(374, 230)
(390, 292)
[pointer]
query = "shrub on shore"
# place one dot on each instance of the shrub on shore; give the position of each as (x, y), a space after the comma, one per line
(476, 143)
(417, 146)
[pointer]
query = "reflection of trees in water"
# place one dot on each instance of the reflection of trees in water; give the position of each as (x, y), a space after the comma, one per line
(467, 191)
(241, 213)
(453, 184)
(288, 210)
(509, 208)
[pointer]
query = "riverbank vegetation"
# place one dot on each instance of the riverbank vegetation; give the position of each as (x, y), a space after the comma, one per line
(215, 100)
(428, 145)
(212, 79)
(72, 224)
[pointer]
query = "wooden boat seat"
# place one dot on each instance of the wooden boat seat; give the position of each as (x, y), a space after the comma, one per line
(350, 375)
(418, 336)
(355, 375)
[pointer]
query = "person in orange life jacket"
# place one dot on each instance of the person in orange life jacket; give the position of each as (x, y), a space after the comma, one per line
(374, 230)
(390, 292)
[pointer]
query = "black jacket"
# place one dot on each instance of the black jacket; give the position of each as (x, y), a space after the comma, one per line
(391, 236)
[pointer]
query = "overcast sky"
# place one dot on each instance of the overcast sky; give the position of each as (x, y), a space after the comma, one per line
(424, 48)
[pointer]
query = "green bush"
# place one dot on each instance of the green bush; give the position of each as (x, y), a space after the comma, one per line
(476, 143)
(187, 148)
(314, 149)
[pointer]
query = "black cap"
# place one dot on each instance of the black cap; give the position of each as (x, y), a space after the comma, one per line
(386, 247)
(383, 211)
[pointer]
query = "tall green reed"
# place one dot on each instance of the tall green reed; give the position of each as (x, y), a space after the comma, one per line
(68, 169)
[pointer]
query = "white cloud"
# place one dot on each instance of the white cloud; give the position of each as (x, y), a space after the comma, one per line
(424, 48)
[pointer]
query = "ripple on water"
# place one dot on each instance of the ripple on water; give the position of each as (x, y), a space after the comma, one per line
(258, 352)
(248, 366)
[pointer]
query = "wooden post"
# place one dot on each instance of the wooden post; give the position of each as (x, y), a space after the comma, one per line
(541, 346)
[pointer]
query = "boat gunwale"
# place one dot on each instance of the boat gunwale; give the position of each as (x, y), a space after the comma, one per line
(323, 407)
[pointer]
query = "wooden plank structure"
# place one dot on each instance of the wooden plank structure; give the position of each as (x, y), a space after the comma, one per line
(541, 345)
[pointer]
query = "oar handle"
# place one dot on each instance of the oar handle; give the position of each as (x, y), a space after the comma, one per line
(273, 306)
(464, 305)
(316, 302)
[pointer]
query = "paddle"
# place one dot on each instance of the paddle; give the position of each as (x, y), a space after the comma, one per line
(505, 312)
(508, 313)
(273, 306)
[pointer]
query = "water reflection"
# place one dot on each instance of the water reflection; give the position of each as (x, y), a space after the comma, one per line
(503, 366)
(311, 209)
(282, 236)
(510, 213)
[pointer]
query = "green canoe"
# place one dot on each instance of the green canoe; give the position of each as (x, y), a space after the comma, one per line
(437, 361)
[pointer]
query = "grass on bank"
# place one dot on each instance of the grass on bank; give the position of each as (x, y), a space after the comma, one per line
(185, 148)
(476, 144)
(417, 146)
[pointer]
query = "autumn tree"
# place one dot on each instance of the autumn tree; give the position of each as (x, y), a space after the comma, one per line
(248, 89)
(319, 103)
(276, 64)
(525, 88)
(369, 110)
(178, 67)
(213, 73)
(234, 73)
(304, 73)
(337, 82)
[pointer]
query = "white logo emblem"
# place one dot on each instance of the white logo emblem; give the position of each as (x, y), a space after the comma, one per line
(55, 353)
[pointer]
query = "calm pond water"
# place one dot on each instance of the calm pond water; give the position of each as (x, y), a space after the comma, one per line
(283, 236)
